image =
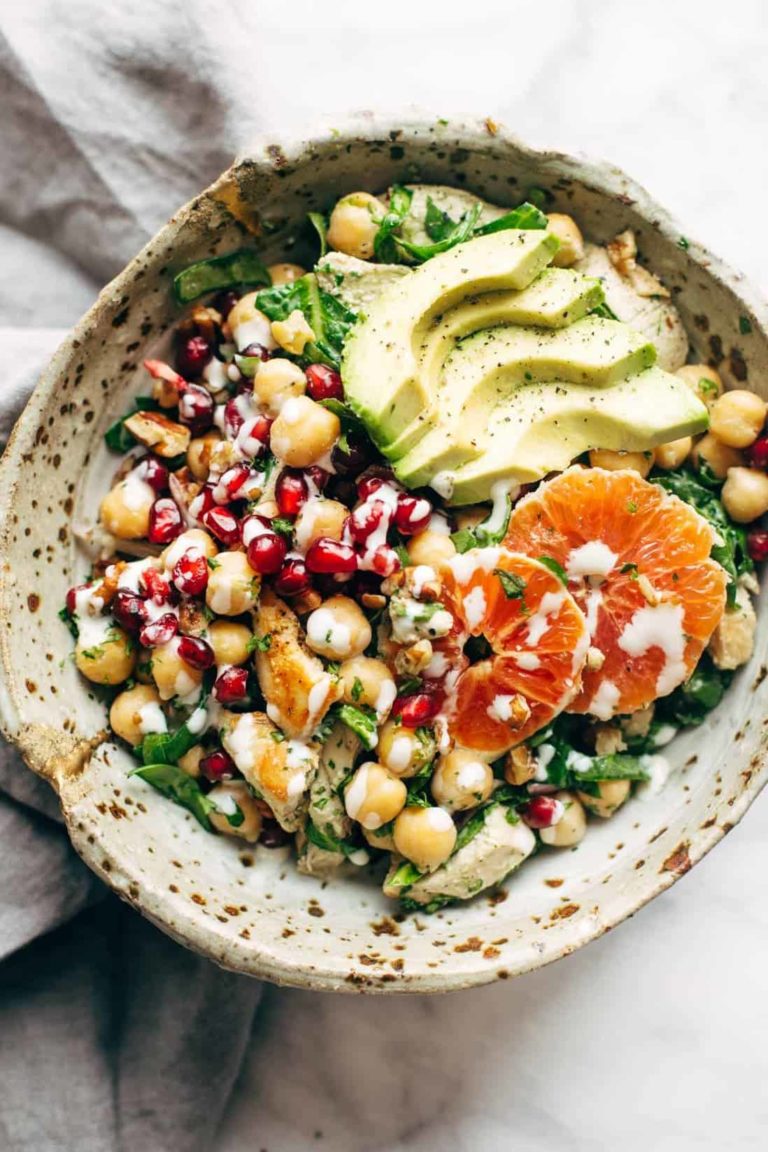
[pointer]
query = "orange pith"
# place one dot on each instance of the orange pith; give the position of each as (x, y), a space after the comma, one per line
(538, 639)
(652, 614)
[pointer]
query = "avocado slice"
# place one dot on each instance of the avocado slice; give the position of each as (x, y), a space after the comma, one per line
(380, 367)
(495, 851)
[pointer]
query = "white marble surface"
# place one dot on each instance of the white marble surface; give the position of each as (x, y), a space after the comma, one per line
(652, 1038)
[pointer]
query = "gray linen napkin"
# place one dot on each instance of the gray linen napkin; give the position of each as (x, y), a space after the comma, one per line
(112, 1038)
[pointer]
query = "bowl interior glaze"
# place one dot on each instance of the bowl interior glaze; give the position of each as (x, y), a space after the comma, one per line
(249, 909)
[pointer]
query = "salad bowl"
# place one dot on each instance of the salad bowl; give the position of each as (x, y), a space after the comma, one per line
(246, 907)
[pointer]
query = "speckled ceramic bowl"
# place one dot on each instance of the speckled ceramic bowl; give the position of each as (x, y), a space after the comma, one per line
(250, 910)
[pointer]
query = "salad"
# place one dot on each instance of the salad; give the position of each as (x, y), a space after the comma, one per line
(425, 553)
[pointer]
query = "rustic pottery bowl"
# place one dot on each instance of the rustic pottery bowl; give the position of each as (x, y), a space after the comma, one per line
(247, 909)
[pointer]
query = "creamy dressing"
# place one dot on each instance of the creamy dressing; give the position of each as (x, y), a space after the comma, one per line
(658, 626)
(591, 559)
(356, 791)
(437, 667)
(539, 624)
(475, 607)
(385, 699)
(152, 718)
(224, 800)
(528, 661)
(128, 578)
(501, 493)
(665, 735)
(543, 756)
(400, 754)
(412, 620)
(592, 610)
(603, 704)
(240, 742)
(465, 565)
(443, 483)
(215, 375)
(658, 769)
(472, 776)
(420, 575)
(326, 632)
(318, 695)
(257, 330)
(137, 494)
(438, 819)
(93, 628)
(500, 708)
(578, 761)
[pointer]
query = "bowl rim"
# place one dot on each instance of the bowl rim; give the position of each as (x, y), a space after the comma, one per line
(274, 150)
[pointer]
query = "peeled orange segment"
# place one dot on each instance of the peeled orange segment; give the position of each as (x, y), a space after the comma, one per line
(638, 563)
(538, 638)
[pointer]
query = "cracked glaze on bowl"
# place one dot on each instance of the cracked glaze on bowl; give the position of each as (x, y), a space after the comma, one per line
(247, 909)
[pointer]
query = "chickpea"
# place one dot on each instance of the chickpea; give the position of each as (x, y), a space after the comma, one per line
(171, 674)
(125, 715)
(229, 641)
(125, 509)
(673, 453)
(354, 223)
(425, 836)
(293, 334)
(228, 797)
(374, 796)
(461, 780)
(320, 517)
(249, 325)
(430, 548)
(199, 454)
(285, 273)
(338, 629)
(717, 456)
(704, 381)
(614, 461)
(304, 432)
(745, 494)
(611, 796)
(193, 540)
(571, 240)
(572, 825)
(276, 381)
(109, 661)
(736, 418)
(233, 586)
(405, 751)
(369, 682)
(190, 761)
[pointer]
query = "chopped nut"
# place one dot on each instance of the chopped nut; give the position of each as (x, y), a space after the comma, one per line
(157, 432)
(183, 487)
(393, 582)
(519, 765)
(373, 601)
(427, 590)
(192, 618)
(733, 640)
(639, 723)
(411, 661)
(294, 333)
(520, 711)
(306, 602)
(648, 591)
(622, 252)
(595, 658)
(608, 740)
(223, 456)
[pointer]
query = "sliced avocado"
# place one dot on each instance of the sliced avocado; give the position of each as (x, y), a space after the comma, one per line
(380, 367)
(494, 364)
(495, 851)
(544, 427)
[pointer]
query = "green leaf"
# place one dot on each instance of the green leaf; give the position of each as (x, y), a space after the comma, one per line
(357, 689)
(406, 875)
(481, 536)
(471, 828)
(419, 795)
(434, 905)
(619, 766)
(384, 245)
(745, 325)
(512, 585)
(117, 437)
(168, 747)
(236, 268)
(282, 526)
(174, 783)
(526, 215)
(363, 723)
(539, 197)
(320, 225)
(259, 643)
(327, 316)
(460, 232)
(554, 566)
(690, 704)
(437, 224)
(605, 311)
(69, 619)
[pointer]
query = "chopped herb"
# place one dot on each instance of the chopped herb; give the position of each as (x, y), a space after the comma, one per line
(629, 570)
(357, 689)
(460, 232)
(408, 685)
(683, 243)
(327, 316)
(526, 216)
(213, 563)
(554, 566)
(470, 828)
(259, 643)
(631, 507)
(604, 311)
(320, 225)
(70, 620)
(689, 704)
(434, 905)
(707, 388)
(406, 875)
(362, 721)
(230, 271)
(384, 244)
(117, 437)
(282, 526)
(539, 197)
(327, 840)
(277, 736)
(168, 747)
(512, 585)
(437, 224)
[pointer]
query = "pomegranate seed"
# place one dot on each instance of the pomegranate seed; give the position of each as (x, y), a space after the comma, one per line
(233, 417)
(757, 544)
(368, 485)
(256, 350)
(541, 812)
(231, 686)
(418, 709)
(165, 521)
(196, 652)
(129, 610)
(230, 483)
(193, 355)
(190, 574)
(351, 460)
(225, 302)
(385, 561)
(757, 453)
(412, 514)
(317, 476)
(365, 519)
(223, 525)
(272, 835)
(71, 597)
(217, 766)
(331, 556)
(156, 586)
(253, 436)
(292, 578)
(266, 553)
(202, 503)
(154, 473)
(291, 492)
(323, 383)
(196, 408)
(160, 631)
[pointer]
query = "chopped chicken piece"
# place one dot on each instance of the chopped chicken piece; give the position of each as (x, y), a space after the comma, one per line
(280, 771)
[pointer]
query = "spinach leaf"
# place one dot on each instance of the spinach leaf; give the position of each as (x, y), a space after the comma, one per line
(230, 271)
(384, 245)
(320, 225)
(512, 585)
(169, 747)
(689, 704)
(434, 905)
(567, 768)
(361, 721)
(483, 535)
(554, 566)
(174, 783)
(70, 620)
(697, 491)
(437, 224)
(471, 828)
(460, 232)
(406, 875)
(618, 766)
(117, 437)
(526, 215)
(327, 316)
(325, 839)
(604, 311)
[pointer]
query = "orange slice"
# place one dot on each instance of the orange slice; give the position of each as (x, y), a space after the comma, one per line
(538, 638)
(638, 562)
